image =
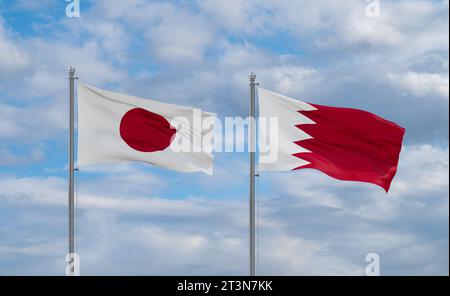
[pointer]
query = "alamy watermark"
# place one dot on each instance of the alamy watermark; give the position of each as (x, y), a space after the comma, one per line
(73, 264)
(373, 268)
(373, 8)
(232, 134)
(73, 8)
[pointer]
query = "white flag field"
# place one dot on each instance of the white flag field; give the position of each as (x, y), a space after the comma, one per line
(115, 127)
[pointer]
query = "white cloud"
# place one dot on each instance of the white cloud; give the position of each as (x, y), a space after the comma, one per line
(49, 78)
(37, 103)
(308, 224)
(172, 33)
(12, 58)
(179, 38)
(238, 16)
(344, 24)
(35, 6)
(31, 123)
(289, 79)
(421, 84)
(9, 158)
(422, 170)
(354, 219)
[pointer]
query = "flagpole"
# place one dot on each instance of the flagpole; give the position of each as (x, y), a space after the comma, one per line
(71, 208)
(252, 77)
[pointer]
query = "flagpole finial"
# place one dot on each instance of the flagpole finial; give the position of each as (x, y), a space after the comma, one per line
(252, 77)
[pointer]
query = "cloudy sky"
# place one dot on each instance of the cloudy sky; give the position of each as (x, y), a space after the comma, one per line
(139, 220)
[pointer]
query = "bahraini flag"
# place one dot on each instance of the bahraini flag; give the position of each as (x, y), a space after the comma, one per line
(344, 143)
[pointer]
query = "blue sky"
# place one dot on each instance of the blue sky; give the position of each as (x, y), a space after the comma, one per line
(134, 219)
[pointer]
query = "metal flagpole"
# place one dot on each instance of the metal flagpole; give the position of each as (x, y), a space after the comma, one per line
(252, 78)
(71, 173)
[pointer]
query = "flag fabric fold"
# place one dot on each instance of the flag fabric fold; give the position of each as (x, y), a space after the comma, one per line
(344, 143)
(115, 127)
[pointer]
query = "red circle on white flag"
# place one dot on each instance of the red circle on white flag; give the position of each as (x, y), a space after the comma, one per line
(146, 131)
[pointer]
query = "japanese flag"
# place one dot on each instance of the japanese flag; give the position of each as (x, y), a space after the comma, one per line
(115, 127)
